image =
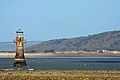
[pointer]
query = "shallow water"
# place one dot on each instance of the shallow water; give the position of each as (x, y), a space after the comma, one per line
(81, 63)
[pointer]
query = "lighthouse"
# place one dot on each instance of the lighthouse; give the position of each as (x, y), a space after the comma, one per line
(19, 60)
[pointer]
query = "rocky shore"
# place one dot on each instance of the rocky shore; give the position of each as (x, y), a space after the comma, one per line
(60, 75)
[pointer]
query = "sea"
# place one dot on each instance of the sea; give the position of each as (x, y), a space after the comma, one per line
(64, 63)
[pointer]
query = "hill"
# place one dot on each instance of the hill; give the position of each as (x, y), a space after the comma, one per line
(10, 46)
(103, 41)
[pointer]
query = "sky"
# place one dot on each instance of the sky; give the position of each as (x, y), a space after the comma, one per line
(43, 20)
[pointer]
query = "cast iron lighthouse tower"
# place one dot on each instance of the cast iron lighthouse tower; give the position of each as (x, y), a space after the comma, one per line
(19, 57)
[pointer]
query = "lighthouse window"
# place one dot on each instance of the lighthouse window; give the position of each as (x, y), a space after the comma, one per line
(20, 39)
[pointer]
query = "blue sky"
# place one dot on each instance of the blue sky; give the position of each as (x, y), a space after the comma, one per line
(53, 19)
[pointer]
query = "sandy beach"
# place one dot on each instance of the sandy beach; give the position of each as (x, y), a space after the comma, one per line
(80, 54)
(60, 75)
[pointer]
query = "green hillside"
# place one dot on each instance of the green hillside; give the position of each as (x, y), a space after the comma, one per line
(107, 41)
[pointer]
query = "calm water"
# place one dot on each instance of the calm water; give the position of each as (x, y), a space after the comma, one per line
(101, 63)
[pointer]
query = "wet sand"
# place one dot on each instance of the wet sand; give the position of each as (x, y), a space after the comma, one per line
(60, 75)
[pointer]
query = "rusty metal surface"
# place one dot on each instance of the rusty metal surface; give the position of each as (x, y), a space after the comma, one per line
(19, 57)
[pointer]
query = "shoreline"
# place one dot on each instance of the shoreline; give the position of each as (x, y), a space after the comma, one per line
(60, 74)
(61, 55)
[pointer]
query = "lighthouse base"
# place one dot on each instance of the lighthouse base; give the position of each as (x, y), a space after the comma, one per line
(19, 63)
